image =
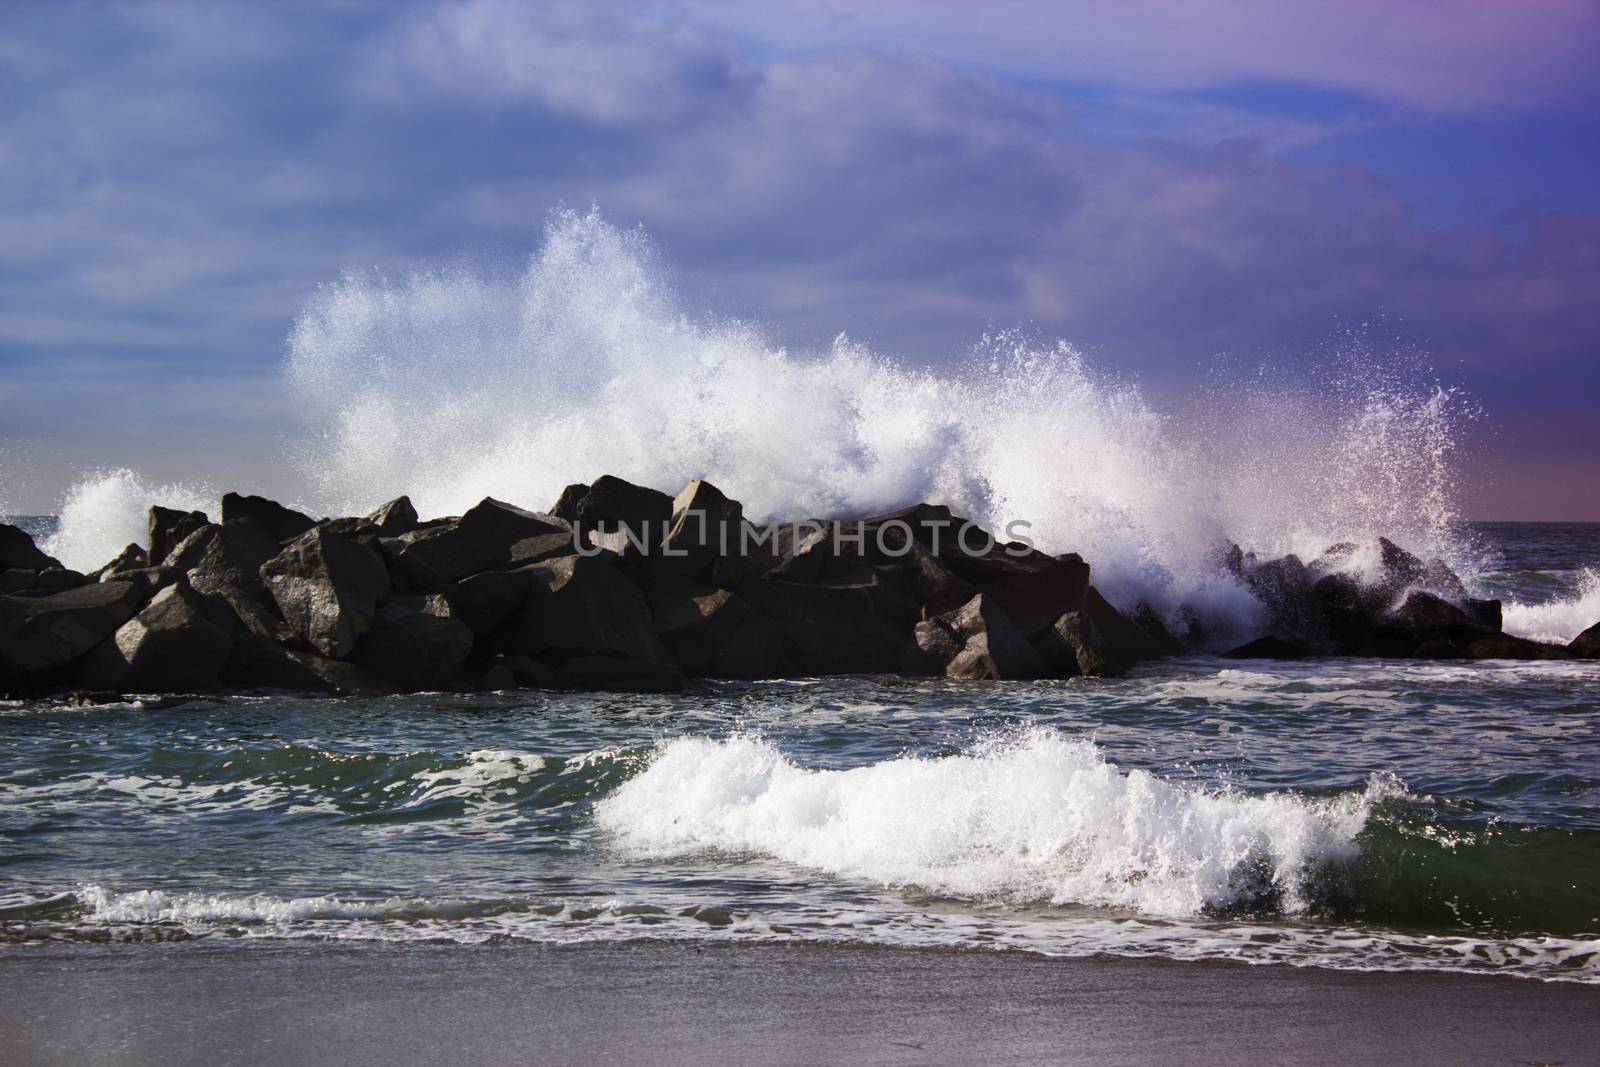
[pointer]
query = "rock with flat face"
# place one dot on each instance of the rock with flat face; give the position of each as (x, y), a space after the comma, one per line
(412, 648)
(41, 583)
(280, 523)
(612, 674)
(612, 504)
(1587, 644)
(327, 588)
(396, 517)
(989, 646)
(133, 557)
(168, 528)
(1268, 647)
(856, 624)
(170, 646)
(38, 634)
(1033, 602)
(583, 606)
(228, 556)
(1125, 643)
(1074, 645)
(18, 552)
(485, 538)
(714, 633)
(258, 663)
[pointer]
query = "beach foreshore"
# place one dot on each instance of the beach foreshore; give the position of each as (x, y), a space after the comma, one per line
(218, 1003)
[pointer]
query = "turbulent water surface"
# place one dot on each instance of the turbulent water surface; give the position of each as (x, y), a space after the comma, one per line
(1345, 814)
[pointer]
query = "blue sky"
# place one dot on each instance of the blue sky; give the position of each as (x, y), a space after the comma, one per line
(1162, 184)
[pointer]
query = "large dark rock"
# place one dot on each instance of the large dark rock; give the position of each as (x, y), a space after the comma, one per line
(170, 646)
(1034, 601)
(567, 504)
(150, 580)
(412, 647)
(856, 624)
(280, 523)
(389, 520)
(17, 551)
(40, 583)
(1126, 644)
(257, 663)
(168, 528)
(133, 557)
(228, 556)
(483, 602)
(715, 633)
(327, 588)
(981, 643)
(486, 537)
(1587, 644)
(1268, 647)
(1504, 646)
(1284, 586)
(583, 606)
(1074, 645)
(613, 505)
(613, 674)
(705, 527)
(38, 634)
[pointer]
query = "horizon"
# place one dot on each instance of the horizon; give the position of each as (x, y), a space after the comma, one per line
(1168, 189)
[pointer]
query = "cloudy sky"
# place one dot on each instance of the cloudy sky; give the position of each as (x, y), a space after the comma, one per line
(1164, 184)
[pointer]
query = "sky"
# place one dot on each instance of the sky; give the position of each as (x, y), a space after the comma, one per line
(1165, 185)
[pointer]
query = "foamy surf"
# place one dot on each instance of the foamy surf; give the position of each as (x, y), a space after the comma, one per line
(1036, 818)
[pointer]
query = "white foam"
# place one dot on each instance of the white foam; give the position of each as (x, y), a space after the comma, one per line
(453, 385)
(109, 510)
(1560, 620)
(1038, 817)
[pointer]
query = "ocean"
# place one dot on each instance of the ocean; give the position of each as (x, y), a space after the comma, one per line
(1343, 815)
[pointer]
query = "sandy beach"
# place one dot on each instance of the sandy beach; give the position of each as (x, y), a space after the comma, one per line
(237, 1003)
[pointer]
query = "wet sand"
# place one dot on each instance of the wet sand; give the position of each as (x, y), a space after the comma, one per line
(210, 1003)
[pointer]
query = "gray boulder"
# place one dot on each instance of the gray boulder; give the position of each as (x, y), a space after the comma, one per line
(281, 523)
(327, 588)
(613, 505)
(412, 647)
(486, 537)
(38, 634)
(168, 527)
(18, 552)
(228, 556)
(981, 643)
(583, 606)
(714, 633)
(170, 646)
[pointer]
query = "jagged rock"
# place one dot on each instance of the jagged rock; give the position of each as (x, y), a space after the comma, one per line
(932, 583)
(41, 633)
(133, 557)
(413, 648)
(257, 663)
(1125, 643)
(1033, 602)
(1504, 646)
(1268, 647)
(1587, 644)
(1074, 645)
(856, 624)
(571, 499)
(583, 606)
(168, 528)
(40, 583)
(1345, 609)
(613, 505)
(281, 524)
(236, 613)
(612, 674)
(1284, 586)
(18, 552)
(1425, 613)
(327, 588)
(990, 646)
(485, 538)
(715, 633)
(705, 526)
(228, 556)
(170, 646)
(396, 517)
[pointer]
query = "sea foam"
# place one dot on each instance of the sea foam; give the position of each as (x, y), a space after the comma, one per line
(1034, 818)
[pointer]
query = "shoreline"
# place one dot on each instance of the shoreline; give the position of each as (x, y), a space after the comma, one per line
(670, 1003)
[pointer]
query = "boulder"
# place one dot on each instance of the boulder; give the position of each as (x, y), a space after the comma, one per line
(170, 646)
(38, 634)
(1033, 602)
(413, 648)
(1504, 646)
(281, 523)
(396, 517)
(257, 663)
(1587, 644)
(1151, 622)
(583, 606)
(567, 504)
(705, 527)
(18, 552)
(133, 557)
(327, 588)
(1284, 586)
(150, 580)
(612, 674)
(989, 646)
(1125, 643)
(40, 583)
(169, 527)
(1268, 647)
(1074, 645)
(485, 538)
(857, 624)
(714, 633)
(614, 506)
(228, 556)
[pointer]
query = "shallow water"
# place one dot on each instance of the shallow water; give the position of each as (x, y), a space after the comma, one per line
(1340, 813)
